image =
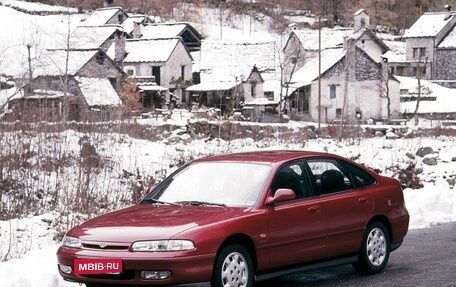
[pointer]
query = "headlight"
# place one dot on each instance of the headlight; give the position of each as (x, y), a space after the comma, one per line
(163, 245)
(73, 242)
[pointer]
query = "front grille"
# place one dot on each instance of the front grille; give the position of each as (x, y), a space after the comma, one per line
(105, 247)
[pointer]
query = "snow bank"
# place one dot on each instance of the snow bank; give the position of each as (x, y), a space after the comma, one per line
(431, 205)
(41, 268)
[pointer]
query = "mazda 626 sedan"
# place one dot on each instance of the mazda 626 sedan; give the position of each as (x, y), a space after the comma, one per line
(239, 218)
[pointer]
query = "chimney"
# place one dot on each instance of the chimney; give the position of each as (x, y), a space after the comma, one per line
(448, 13)
(108, 3)
(119, 49)
(137, 30)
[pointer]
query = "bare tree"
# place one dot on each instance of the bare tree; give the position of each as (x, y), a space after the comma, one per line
(418, 77)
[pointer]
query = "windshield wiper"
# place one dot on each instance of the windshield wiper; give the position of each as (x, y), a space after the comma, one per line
(199, 203)
(151, 200)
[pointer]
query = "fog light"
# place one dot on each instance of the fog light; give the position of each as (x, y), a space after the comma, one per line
(66, 269)
(155, 275)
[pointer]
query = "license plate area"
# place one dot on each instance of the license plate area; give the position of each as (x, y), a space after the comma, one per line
(89, 266)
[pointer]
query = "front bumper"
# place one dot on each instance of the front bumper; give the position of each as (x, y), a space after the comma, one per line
(185, 268)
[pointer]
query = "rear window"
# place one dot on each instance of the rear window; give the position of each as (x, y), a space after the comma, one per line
(361, 177)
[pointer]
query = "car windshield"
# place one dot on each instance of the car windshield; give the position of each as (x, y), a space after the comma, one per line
(213, 183)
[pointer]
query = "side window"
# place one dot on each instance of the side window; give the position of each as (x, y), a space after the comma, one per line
(290, 176)
(328, 176)
(360, 177)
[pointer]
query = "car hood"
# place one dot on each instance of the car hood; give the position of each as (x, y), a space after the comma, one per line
(149, 222)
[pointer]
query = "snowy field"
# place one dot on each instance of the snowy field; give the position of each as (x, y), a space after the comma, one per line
(31, 238)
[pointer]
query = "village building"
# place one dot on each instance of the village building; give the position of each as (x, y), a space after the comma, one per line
(431, 48)
(353, 85)
(128, 24)
(237, 75)
(105, 16)
(162, 69)
(190, 36)
(83, 90)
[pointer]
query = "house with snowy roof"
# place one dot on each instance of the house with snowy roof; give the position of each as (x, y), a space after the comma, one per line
(190, 36)
(352, 85)
(105, 16)
(431, 47)
(158, 65)
(232, 72)
(85, 89)
(140, 19)
(352, 74)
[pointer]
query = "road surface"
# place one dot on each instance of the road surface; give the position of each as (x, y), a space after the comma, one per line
(426, 258)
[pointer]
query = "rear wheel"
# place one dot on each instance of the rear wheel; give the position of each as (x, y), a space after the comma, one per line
(233, 267)
(375, 249)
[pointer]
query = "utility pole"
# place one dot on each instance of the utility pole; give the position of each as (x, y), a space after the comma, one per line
(319, 73)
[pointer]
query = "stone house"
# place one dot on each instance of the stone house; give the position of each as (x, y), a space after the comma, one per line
(226, 71)
(90, 93)
(190, 36)
(158, 65)
(352, 87)
(105, 16)
(431, 48)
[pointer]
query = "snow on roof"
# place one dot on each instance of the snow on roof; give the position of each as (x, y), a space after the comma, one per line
(42, 94)
(18, 28)
(152, 50)
(397, 52)
(359, 12)
(162, 30)
(309, 72)
(100, 17)
(36, 7)
(212, 86)
(151, 87)
(88, 37)
(230, 60)
(428, 25)
(450, 40)
(444, 102)
(129, 23)
(54, 62)
(6, 94)
(98, 92)
(329, 38)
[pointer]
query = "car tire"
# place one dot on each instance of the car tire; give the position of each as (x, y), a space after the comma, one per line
(375, 250)
(233, 267)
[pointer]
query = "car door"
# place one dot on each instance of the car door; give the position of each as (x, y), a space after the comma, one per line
(347, 208)
(297, 227)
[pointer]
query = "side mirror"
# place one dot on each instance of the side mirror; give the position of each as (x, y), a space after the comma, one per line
(281, 195)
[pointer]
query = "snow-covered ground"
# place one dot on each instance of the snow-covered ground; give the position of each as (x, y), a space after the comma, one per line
(31, 237)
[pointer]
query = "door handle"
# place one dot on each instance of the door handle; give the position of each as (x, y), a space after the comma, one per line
(314, 209)
(363, 199)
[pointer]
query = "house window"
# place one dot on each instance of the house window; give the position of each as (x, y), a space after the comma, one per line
(100, 57)
(156, 74)
(130, 72)
(338, 113)
(120, 18)
(400, 70)
(253, 89)
(183, 72)
(422, 71)
(419, 53)
(294, 60)
(332, 91)
(363, 23)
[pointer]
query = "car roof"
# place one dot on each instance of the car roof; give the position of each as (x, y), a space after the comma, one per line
(270, 156)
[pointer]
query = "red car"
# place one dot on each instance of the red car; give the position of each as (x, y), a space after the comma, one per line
(239, 218)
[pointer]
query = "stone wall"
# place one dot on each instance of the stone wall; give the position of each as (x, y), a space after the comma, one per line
(445, 64)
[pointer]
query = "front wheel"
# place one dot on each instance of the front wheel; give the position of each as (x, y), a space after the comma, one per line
(233, 267)
(375, 250)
